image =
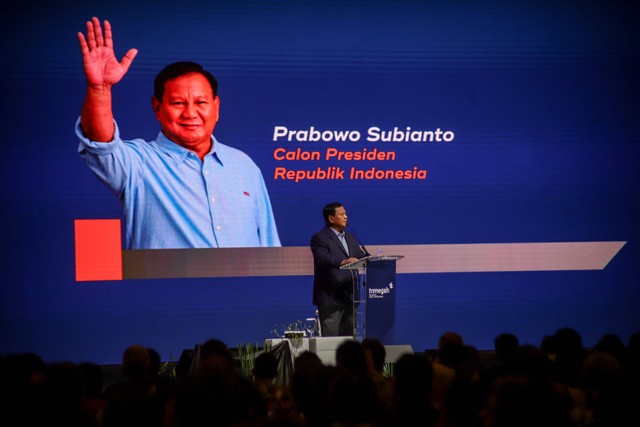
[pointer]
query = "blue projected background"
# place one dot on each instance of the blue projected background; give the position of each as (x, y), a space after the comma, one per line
(539, 99)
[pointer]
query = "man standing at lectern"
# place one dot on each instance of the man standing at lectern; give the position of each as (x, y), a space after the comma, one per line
(332, 247)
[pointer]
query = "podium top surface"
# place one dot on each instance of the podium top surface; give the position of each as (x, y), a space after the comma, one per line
(362, 262)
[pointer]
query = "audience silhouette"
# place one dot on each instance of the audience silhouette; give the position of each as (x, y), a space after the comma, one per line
(560, 383)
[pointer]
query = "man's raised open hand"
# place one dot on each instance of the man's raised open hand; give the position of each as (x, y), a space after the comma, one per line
(101, 67)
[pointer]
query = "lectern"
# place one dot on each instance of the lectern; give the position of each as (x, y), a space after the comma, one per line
(374, 297)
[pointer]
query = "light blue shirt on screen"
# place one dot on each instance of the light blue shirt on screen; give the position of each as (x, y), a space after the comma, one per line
(171, 199)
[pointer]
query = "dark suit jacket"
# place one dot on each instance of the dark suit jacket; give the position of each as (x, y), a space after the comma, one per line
(331, 285)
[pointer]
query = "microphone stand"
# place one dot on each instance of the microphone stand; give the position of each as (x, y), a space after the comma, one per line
(358, 289)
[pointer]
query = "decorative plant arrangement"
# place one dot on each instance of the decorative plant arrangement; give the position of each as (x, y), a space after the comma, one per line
(168, 368)
(247, 357)
(299, 329)
(294, 332)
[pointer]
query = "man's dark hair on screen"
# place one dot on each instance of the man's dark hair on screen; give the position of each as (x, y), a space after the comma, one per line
(178, 69)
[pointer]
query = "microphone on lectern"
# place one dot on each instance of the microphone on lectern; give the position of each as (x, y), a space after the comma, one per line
(362, 247)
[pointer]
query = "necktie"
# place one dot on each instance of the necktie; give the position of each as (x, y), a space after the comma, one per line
(343, 240)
